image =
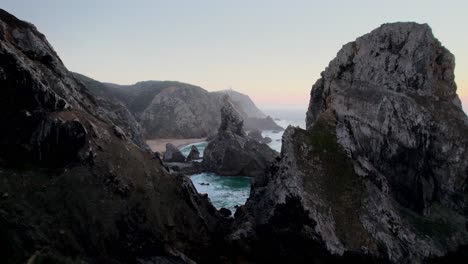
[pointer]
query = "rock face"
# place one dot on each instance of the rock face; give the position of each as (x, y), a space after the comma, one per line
(115, 110)
(380, 174)
(173, 154)
(167, 109)
(78, 188)
(231, 152)
(194, 154)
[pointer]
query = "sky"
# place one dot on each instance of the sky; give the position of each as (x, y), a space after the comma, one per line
(271, 50)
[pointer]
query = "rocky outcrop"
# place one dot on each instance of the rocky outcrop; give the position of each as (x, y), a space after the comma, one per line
(173, 154)
(75, 187)
(242, 101)
(380, 174)
(231, 152)
(194, 154)
(254, 118)
(257, 135)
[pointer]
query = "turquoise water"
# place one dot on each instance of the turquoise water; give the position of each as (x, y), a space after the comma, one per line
(223, 191)
(232, 191)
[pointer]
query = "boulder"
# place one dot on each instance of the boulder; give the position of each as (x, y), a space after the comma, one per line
(267, 140)
(194, 154)
(225, 212)
(257, 135)
(380, 173)
(173, 154)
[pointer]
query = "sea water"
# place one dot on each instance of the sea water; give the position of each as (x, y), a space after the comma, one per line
(223, 191)
(232, 191)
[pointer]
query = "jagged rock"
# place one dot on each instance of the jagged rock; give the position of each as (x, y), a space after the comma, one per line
(194, 154)
(231, 120)
(256, 135)
(231, 152)
(81, 193)
(173, 154)
(380, 174)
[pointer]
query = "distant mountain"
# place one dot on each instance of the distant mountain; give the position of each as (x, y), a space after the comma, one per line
(169, 109)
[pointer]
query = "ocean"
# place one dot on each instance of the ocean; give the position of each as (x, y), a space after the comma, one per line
(232, 191)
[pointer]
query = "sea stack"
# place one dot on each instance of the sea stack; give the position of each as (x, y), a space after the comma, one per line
(231, 152)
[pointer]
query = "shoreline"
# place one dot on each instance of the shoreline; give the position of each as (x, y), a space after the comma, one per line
(159, 145)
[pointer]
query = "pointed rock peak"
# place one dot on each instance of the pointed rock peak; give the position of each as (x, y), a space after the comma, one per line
(231, 119)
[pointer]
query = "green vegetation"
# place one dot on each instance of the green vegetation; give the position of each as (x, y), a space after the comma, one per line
(333, 174)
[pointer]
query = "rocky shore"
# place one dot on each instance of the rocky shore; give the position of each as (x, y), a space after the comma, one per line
(379, 175)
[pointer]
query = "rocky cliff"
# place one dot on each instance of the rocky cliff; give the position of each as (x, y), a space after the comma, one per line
(380, 174)
(167, 109)
(231, 152)
(74, 187)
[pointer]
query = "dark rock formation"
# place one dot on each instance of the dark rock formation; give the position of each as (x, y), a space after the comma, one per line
(194, 154)
(75, 187)
(173, 154)
(257, 135)
(380, 174)
(225, 212)
(231, 152)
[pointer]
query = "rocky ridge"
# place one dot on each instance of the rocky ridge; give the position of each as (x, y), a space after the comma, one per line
(167, 109)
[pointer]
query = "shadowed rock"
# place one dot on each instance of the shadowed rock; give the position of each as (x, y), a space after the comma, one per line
(75, 188)
(231, 152)
(173, 154)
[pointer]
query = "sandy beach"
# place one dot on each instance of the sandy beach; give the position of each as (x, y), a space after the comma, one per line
(160, 144)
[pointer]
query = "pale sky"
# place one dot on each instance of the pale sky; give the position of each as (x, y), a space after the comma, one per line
(271, 50)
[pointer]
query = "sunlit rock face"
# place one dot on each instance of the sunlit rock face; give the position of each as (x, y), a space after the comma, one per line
(380, 172)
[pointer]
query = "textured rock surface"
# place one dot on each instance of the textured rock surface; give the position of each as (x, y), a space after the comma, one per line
(175, 110)
(231, 152)
(77, 189)
(194, 154)
(173, 154)
(115, 110)
(380, 174)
